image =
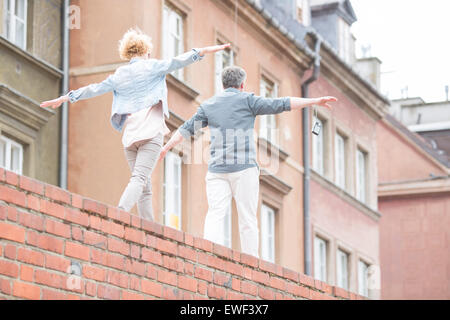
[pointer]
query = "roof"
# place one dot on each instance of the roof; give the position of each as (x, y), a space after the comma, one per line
(343, 8)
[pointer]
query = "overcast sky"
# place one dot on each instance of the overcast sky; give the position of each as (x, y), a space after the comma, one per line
(412, 39)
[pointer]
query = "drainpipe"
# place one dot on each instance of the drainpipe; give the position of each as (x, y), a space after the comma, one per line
(306, 159)
(65, 107)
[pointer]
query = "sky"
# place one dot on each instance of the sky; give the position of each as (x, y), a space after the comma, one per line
(412, 39)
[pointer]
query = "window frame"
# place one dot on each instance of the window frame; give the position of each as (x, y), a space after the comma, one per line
(361, 192)
(268, 123)
(267, 213)
(9, 145)
(172, 158)
(321, 271)
(219, 66)
(10, 20)
(363, 289)
(167, 35)
(343, 283)
(321, 168)
(338, 176)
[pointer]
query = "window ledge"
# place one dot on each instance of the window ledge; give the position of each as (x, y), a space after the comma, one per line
(23, 109)
(263, 142)
(274, 182)
(182, 87)
(329, 185)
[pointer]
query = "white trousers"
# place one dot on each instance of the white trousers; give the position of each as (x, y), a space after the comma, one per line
(243, 186)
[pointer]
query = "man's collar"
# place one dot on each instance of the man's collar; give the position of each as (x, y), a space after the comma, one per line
(231, 89)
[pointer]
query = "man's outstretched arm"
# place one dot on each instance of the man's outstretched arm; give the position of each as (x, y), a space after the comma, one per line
(300, 103)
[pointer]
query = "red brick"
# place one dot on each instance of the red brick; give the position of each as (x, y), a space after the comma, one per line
(235, 284)
(216, 292)
(13, 196)
(188, 268)
(52, 209)
(247, 273)
(9, 269)
(118, 246)
(236, 256)
(135, 283)
(115, 261)
(135, 251)
(167, 277)
(77, 201)
(222, 251)
(152, 272)
(249, 288)
(134, 235)
(57, 228)
(95, 239)
(48, 294)
(57, 194)
(133, 266)
(2, 174)
(152, 288)
(118, 215)
(45, 242)
(173, 234)
(267, 266)
(260, 277)
(266, 293)
(291, 275)
(30, 257)
(117, 278)
(234, 268)
(31, 221)
(12, 232)
(77, 234)
(222, 279)
(49, 279)
(3, 212)
(94, 273)
(10, 251)
(249, 260)
(11, 178)
(26, 291)
(95, 222)
(166, 246)
(316, 295)
(33, 203)
(91, 288)
(339, 292)
(151, 256)
(94, 206)
(12, 214)
(5, 286)
(26, 273)
(31, 185)
(204, 274)
(173, 264)
(77, 217)
(135, 221)
(171, 294)
(203, 244)
(114, 229)
(152, 227)
(127, 295)
(108, 292)
(189, 239)
(57, 263)
(187, 283)
(234, 296)
(77, 251)
(202, 287)
(277, 283)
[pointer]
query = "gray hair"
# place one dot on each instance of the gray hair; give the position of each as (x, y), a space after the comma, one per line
(233, 77)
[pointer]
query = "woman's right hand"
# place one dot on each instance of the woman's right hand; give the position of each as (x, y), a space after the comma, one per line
(55, 103)
(212, 49)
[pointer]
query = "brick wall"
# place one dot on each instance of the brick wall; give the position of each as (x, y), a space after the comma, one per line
(46, 233)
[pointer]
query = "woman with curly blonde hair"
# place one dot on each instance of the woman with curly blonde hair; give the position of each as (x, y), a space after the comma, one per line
(139, 104)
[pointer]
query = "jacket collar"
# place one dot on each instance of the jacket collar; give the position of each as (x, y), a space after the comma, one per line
(135, 59)
(231, 89)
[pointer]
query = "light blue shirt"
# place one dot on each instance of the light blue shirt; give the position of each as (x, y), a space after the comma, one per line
(137, 85)
(230, 117)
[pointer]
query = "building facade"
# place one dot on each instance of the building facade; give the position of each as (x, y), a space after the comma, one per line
(30, 72)
(273, 45)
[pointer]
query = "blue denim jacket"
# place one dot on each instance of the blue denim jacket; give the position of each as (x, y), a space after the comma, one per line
(137, 85)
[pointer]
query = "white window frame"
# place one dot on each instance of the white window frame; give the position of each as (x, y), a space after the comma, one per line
(363, 278)
(173, 30)
(172, 191)
(220, 64)
(10, 20)
(267, 233)
(318, 148)
(342, 269)
(305, 8)
(361, 175)
(268, 122)
(320, 259)
(340, 160)
(344, 40)
(9, 146)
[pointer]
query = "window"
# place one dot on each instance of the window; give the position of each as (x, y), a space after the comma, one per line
(172, 190)
(223, 59)
(339, 158)
(361, 184)
(318, 148)
(303, 12)
(173, 37)
(342, 269)
(320, 259)
(363, 278)
(344, 40)
(11, 155)
(267, 122)
(267, 233)
(16, 22)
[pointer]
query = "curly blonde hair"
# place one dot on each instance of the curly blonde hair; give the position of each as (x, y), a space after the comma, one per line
(134, 43)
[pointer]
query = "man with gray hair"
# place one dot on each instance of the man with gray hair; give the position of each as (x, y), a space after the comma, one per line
(232, 170)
